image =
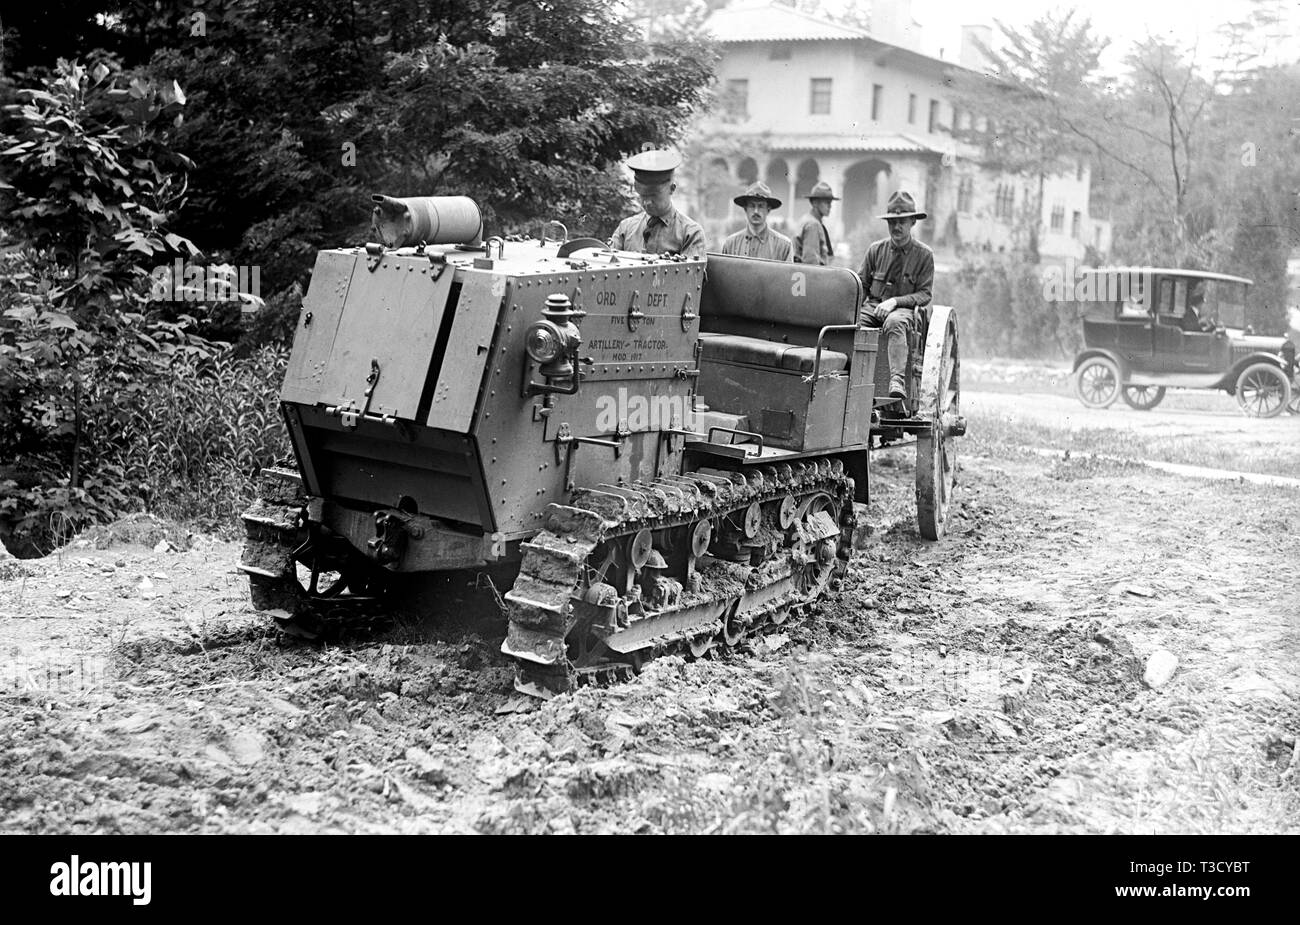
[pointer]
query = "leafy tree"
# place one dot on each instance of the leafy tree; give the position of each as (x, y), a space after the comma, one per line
(89, 181)
(1028, 106)
(529, 112)
(299, 109)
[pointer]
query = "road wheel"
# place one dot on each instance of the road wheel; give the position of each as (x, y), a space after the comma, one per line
(939, 400)
(1143, 397)
(1262, 390)
(1096, 382)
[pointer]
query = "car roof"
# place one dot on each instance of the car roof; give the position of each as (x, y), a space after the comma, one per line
(1165, 271)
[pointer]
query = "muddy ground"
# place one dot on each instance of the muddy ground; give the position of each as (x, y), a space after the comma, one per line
(993, 682)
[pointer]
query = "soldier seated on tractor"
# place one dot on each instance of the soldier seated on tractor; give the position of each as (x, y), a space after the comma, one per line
(898, 273)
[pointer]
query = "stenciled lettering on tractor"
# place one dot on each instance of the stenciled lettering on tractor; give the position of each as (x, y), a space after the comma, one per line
(647, 459)
(637, 411)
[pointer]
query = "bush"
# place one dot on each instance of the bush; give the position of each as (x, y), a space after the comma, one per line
(194, 441)
(1003, 312)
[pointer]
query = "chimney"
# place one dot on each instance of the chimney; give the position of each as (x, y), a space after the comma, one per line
(892, 22)
(971, 54)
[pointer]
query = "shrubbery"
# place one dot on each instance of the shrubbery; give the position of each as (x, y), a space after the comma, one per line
(90, 368)
(1004, 312)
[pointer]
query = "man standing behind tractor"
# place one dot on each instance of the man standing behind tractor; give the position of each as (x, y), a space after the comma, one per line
(814, 242)
(659, 228)
(756, 239)
(899, 274)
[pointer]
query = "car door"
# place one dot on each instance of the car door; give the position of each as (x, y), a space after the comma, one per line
(1169, 336)
(1133, 331)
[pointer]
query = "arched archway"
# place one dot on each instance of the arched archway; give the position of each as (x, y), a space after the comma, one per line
(807, 177)
(747, 171)
(778, 180)
(865, 191)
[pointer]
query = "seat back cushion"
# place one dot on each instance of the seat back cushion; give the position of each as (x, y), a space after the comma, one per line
(772, 300)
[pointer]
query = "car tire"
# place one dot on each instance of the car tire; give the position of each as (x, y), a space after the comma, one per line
(1096, 382)
(1143, 397)
(1262, 390)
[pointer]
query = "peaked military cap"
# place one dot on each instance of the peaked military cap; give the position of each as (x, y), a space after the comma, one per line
(654, 167)
(822, 191)
(760, 191)
(901, 205)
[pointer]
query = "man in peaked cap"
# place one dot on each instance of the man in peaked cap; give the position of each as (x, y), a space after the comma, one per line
(813, 245)
(899, 274)
(659, 228)
(756, 239)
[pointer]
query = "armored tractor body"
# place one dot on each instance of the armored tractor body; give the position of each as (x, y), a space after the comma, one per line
(662, 454)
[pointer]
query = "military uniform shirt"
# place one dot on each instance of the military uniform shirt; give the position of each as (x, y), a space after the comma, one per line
(913, 276)
(648, 234)
(813, 245)
(770, 245)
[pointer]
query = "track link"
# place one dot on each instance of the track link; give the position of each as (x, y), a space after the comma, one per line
(683, 563)
(341, 596)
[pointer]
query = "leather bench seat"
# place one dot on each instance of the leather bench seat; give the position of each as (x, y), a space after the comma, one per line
(736, 348)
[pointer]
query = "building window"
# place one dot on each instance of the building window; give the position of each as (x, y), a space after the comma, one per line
(911, 109)
(934, 115)
(1004, 204)
(877, 101)
(780, 53)
(820, 101)
(1076, 225)
(736, 100)
(1058, 217)
(956, 119)
(965, 193)
(1078, 172)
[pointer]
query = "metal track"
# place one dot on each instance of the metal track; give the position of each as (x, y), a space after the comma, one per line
(777, 535)
(277, 542)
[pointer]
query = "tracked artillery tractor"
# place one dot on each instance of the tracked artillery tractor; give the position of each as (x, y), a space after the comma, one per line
(667, 453)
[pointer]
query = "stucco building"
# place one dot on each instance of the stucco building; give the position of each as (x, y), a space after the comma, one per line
(804, 99)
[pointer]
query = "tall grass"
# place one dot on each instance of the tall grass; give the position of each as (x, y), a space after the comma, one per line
(192, 443)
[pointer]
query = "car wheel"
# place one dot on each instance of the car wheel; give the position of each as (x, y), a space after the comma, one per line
(1143, 397)
(1262, 390)
(1096, 382)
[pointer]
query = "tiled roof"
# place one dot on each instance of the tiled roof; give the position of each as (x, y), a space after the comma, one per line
(885, 144)
(761, 23)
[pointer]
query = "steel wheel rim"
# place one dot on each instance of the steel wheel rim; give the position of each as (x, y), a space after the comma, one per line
(936, 457)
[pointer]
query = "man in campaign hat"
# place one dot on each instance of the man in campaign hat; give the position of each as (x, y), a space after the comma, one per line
(813, 245)
(659, 228)
(756, 239)
(899, 274)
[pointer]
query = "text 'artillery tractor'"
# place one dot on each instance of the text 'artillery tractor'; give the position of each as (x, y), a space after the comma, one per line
(669, 451)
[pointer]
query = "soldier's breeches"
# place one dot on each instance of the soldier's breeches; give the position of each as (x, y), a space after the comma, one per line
(895, 328)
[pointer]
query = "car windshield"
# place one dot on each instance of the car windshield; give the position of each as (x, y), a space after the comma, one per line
(1225, 302)
(1193, 301)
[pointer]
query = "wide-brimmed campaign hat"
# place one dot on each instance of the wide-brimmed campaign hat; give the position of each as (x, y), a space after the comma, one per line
(901, 205)
(822, 191)
(759, 190)
(654, 167)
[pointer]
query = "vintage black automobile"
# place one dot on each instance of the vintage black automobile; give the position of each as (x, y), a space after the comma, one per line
(1148, 329)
